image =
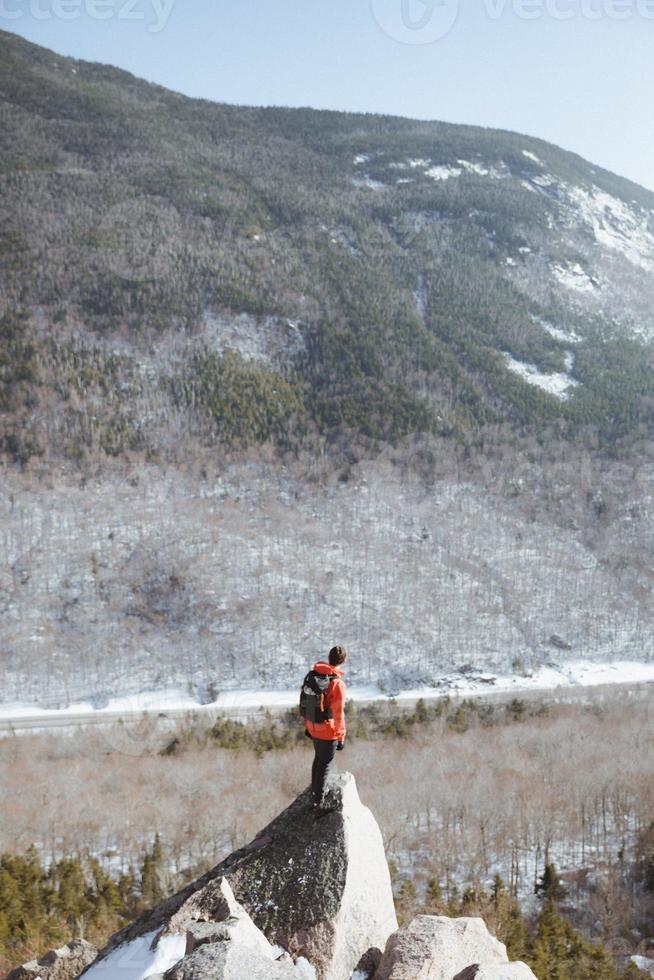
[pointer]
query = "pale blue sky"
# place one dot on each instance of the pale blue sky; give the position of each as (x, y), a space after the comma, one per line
(579, 73)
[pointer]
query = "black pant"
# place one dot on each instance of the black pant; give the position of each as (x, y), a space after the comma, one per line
(324, 756)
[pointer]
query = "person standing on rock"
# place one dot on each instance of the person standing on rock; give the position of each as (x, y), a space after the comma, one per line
(322, 705)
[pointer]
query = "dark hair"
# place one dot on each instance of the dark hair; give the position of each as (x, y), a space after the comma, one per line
(337, 655)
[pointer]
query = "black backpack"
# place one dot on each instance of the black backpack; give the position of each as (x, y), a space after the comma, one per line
(313, 696)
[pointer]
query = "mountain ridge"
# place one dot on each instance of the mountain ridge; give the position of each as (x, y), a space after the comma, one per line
(34, 49)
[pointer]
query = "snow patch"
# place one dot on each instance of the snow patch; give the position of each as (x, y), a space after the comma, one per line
(149, 700)
(262, 339)
(532, 156)
(574, 673)
(443, 172)
(368, 182)
(565, 336)
(573, 276)
(135, 960)
(254, 699)
(12, 709)
(474, 168)
(499, 172)
(616, 225)
(644, 964)
(621, 227)
(544, 180)
(361, 158)
(557, 384)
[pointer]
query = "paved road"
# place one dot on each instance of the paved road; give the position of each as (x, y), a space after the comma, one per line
(245, 713)
(107, 717)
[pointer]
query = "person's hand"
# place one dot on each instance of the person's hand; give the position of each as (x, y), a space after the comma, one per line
(340, 746)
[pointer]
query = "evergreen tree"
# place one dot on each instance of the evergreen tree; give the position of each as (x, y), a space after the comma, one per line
(405, 902)
(434, 902)
(558, 952)
(549, 885)
(509, 924)
(153, 876)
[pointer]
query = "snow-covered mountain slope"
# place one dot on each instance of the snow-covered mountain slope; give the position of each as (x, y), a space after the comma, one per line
(237, 581)
(273, 377)
(595, 245)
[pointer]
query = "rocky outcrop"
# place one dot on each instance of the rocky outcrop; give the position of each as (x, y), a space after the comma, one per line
(64, 963)
(317, 886)
(308, 899)
(433, 947)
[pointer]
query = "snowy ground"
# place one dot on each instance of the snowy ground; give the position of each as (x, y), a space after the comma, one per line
(238, 580)
(557, 383)
(573, 674)
(136, 960)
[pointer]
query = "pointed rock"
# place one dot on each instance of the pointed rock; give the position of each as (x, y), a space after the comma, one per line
(316, 886)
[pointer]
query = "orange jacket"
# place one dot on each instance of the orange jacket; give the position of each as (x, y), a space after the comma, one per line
(332, 730)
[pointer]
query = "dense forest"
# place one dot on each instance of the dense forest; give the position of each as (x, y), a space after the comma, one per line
(177, 273)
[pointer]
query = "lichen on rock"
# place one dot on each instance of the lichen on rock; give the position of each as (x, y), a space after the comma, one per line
(316, 885)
